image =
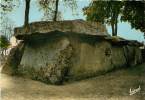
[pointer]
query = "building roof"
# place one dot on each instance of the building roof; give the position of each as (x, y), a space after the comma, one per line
(73, 26)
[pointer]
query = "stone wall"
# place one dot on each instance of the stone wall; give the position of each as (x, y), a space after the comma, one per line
(13, 60)
(68, 50)
(68, 57)
(46, 60)
(118, 56)
(89, 59)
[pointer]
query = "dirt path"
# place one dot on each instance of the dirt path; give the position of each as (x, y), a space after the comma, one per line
(112, 86)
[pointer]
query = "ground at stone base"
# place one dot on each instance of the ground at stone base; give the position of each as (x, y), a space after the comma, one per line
(111, 86)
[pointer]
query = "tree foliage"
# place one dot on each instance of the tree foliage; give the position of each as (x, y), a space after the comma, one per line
(4, 43)
(6, 27)
(109, 12)
(48, 7)
(6, 24)
(134, 13)
(51, 8)
(49, 16)
(105, 12)
(8, 5)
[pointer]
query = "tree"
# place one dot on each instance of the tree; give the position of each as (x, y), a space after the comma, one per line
(56, 10)
(50, 8)
(47, 6)
(49, 16)
(134, 13)
(27, 8)
(7, 26)
(105, 12)
(4, 43)
(8, 5)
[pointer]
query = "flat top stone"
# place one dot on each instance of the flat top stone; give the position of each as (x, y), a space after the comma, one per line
(73, 26)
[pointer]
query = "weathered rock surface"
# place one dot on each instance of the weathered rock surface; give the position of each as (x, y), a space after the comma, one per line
(13, 60)
(46, 60)
(56, 59)
(74, 26)
(71, 50)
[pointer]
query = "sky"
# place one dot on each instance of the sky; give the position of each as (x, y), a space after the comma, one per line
(124, 28)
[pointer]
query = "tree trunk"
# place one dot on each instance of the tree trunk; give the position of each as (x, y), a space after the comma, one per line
(113, 31)
(27, 3)
(116, 27)
(56, 10)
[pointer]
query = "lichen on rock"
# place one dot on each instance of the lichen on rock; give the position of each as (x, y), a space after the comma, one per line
(53, 72)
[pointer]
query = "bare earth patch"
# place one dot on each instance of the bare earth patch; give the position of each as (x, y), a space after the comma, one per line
(111, 86)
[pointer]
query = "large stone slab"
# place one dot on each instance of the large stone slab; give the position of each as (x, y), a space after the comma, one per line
(74, 26)
(58, 58)
(55, 52)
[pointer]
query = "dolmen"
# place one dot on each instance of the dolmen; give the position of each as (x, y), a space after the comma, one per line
(57, 52)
